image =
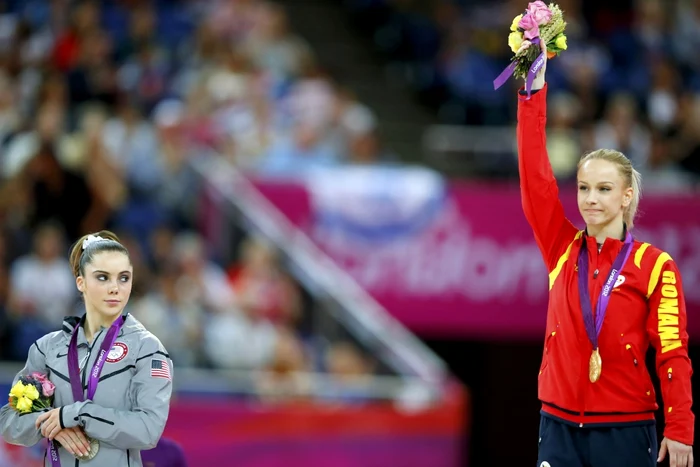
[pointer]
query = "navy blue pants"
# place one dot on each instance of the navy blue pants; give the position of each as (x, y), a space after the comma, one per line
(563, 445)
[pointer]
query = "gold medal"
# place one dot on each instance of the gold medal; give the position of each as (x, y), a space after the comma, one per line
(595, 366)
(94, 447)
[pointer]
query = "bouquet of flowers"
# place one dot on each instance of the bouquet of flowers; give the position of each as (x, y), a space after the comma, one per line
(32, 393)
(538, 24)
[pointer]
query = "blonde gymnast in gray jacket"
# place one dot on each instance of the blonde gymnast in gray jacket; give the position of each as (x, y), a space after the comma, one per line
(113, 378)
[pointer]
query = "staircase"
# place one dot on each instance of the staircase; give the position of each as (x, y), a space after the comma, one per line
(324, 24)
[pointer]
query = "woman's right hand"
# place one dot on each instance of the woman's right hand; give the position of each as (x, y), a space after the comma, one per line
(538, 82)
(74, 441)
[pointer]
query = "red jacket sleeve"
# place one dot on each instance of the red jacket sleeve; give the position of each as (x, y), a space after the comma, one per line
(666, 327)
(538, 187)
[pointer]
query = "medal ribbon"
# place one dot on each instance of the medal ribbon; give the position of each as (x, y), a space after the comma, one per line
(593, 329)
(74, 368)
(531, 74)
(94, 378)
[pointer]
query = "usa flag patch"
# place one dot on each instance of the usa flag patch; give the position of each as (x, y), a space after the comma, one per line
(160, 369)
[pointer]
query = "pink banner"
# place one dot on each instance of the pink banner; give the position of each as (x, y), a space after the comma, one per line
(224, 431)
(458, 258)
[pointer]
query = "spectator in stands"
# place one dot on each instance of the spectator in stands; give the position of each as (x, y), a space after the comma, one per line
(49, 131)
(261, 285)
(276, 51)
(621, 129)
(60, 195)
(93, 77)
(286, 376)
(84, 19)
(177, 322)
(5, 324)
(563, 143)
(350, 371)
(200, 279)
(237, 338)
(42, 289)
(9, 112)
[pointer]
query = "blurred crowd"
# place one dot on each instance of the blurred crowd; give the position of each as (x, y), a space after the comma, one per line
(630, 79)
(101, 106)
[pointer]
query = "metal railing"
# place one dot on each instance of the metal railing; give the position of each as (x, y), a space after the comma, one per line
(349, 304)
(247, 384)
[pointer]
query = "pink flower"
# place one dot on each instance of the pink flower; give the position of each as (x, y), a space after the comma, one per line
(527, 22)
(539, 12)
(532, 33)
(47, 387)
(39, 376)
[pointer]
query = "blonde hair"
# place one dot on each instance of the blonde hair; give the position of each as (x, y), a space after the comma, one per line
(631, 177)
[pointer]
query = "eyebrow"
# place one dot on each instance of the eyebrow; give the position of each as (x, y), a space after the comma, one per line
(599, 183)
(99, 271)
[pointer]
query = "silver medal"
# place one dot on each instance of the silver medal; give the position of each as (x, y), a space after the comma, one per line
(94, 447)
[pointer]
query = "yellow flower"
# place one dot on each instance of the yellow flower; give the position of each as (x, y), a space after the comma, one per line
(516, 20)
(17, 390)
(24, 405)
(30, 392)
(560, 42)
(515, 40)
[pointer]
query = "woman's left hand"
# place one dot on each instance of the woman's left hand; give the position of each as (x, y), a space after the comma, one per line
(679, 454)
(49, 423)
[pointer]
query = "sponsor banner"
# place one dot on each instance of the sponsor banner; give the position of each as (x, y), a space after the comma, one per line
(220, 429)
(457, 258)
(317, 435)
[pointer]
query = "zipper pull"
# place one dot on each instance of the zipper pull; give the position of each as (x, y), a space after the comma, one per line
(595, 274)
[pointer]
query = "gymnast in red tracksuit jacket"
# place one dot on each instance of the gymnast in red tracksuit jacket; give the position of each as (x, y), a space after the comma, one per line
(610, 296)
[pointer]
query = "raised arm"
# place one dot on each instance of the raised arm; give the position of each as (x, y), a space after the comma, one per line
(538, 187)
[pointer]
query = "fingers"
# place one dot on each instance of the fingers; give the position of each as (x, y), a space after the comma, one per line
(67, 443)
(46, 429)
(662, 451)
(53, 430)
(40, 419)
(523, 47)
(70, 439)
(50, 428)
(672, 459)
(80, 436)
(78, 439)
(685, 459)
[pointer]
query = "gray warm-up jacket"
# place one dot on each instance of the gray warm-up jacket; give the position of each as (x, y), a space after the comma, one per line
(131, 404)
